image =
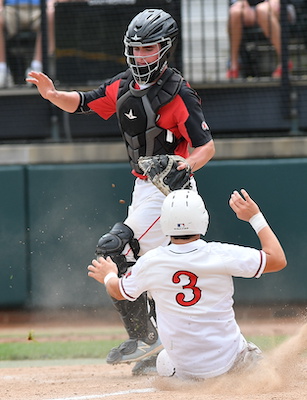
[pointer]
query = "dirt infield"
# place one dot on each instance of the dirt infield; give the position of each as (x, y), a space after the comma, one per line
(281, 376)
(80, 382)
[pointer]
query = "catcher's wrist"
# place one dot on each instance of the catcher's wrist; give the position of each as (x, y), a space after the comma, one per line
(258, 222)
(109, 276)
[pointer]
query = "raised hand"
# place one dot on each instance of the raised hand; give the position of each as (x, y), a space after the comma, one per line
(243, 205)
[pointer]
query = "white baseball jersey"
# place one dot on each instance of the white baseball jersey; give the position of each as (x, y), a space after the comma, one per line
(192, 287)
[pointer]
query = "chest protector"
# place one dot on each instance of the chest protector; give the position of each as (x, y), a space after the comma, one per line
(137, 116)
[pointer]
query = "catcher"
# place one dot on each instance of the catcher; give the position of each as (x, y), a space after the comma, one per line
(159, 114)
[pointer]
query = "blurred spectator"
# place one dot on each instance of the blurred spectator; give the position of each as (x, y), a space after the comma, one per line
(19, 15)
(262, 13)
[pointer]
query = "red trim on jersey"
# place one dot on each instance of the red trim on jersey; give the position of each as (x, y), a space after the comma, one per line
(261, 261)
(124, 291)
(143, 234)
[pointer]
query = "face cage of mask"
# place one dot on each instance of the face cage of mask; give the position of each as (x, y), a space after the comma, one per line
(147, 72)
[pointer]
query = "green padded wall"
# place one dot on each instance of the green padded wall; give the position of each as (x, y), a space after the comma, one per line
(70, 207)
(13, 247)
(280, 188)
(53, 215)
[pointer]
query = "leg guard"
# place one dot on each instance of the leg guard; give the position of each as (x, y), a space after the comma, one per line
(137, 319)
(137, 316)
(143, 339)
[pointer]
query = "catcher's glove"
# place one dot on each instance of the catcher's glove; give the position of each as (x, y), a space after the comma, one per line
(163, 173)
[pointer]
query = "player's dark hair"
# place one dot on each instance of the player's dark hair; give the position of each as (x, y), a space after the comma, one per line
(184, 237)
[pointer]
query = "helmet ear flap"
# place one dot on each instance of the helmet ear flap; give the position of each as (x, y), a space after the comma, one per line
(173, 47)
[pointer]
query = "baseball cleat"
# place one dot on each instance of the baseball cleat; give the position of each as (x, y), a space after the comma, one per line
(133, 350)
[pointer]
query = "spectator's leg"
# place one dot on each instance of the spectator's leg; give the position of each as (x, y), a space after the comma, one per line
(38, 48)
(33, 21)
(240, 14)
(6, 79)
(267, 14)
(51, 32)
(268, 18)
(51, 38)
(37, 56)
(2, 39)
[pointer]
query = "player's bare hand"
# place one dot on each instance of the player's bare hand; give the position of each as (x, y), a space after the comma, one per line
(100, 268)
(44, 84)
(243, 205)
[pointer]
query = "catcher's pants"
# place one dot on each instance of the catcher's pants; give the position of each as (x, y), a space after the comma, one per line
(144, 217)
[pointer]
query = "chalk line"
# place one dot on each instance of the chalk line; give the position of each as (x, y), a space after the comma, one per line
(103, 395)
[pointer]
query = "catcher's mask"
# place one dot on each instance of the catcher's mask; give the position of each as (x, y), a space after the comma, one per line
(148, 28)
(184, 213)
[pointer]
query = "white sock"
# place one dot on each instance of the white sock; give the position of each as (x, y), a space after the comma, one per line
(3, 66)
(36, 65)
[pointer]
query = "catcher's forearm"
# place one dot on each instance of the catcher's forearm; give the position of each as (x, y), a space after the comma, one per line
(67, 101)
(201, 155)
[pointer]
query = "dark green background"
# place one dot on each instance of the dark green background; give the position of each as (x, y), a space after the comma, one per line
(53, 215)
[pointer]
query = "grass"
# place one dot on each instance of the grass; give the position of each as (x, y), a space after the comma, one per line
(59, 344)
(34, 349)
(267, 342)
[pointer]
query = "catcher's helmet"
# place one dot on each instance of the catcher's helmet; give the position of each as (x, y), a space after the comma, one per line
(148, 28)
(184, 213)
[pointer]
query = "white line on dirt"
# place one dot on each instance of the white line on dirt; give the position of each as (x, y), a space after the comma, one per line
(102, 396)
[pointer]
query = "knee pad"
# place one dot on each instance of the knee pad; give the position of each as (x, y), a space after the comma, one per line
(113, 243)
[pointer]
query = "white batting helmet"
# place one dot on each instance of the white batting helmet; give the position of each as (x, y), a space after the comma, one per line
(184, 213)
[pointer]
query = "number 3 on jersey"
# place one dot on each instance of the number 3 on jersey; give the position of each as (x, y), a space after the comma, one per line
(180, 297)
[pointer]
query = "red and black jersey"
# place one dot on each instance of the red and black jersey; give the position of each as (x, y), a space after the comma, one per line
(163, 119)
